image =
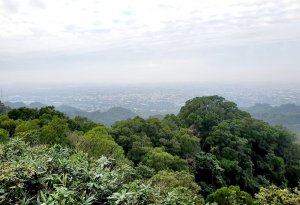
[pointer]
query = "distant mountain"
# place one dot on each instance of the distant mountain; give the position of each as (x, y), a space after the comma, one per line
(3, 108)
(71, 111)
(22, 104)
(287, 115)
(15, 104)
(112, 115)
(107, 117)
(36, 105)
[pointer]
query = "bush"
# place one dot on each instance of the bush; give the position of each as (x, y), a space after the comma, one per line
(46, 174)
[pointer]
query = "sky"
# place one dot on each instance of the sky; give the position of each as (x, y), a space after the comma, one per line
(142, 41)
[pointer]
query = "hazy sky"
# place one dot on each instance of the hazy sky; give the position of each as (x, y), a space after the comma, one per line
(142, 41)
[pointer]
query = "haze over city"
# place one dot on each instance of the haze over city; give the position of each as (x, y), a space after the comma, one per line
(117, 42)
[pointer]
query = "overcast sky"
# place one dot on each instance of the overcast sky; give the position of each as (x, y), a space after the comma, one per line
(149, 41)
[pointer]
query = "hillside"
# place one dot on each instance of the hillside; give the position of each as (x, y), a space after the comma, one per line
(210, 153)
(106, 117)
(22, 104)
(15, 104)
(287, 115)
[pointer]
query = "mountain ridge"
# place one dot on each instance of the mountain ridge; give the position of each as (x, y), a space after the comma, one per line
(107, 117)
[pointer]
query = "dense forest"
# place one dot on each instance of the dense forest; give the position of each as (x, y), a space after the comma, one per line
(210, 153)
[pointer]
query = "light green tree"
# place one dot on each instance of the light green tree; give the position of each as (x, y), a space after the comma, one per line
(159, 159)
(276, 196)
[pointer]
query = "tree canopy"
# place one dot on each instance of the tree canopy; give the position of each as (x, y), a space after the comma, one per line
(210, 153)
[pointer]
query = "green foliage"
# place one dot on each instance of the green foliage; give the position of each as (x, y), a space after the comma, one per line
(22, 113)
(209, 173)
(3, 118)
(9, 125)
(230, 196)
(158, 159)
(55, 132)
(28, 126)
(50, 112)
(276, 196)
(140, 146)
(168, 180)
(125, 132)
(82, 124)
(137, 136)
(48, 158)
(233, 152)
(189, 144)
(33, 137)
(134, 193)
(203, 113)
(251, 148)
(57, 175)
(172, 121)
(181, 196)
(54, 174)
(144, 172)
(4, 135)
(137, 193)
(97, 142)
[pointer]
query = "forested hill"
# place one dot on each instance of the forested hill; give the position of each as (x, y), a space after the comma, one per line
(287, 115)
(22, 104)
(210, 153)
(106, 117)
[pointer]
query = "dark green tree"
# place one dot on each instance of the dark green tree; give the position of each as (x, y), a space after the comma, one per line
(203, 113)
(81, 124)
(22, 113)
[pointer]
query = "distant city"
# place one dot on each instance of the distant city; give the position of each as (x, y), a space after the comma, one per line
(149, 100)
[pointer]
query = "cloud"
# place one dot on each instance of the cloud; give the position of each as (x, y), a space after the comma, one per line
(127, 13)
(131, 34)
(10, 5)
(165, 6)
(38, 4)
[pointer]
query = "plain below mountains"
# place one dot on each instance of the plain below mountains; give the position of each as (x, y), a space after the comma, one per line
(107, 117)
